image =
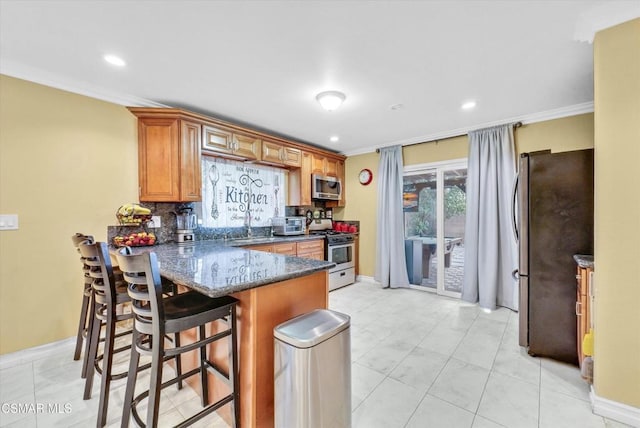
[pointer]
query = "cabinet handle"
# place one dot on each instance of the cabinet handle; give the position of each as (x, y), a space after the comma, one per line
(578, 277)
(578, 309)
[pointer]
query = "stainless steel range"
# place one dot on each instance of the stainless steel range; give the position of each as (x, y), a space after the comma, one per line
(340, 249)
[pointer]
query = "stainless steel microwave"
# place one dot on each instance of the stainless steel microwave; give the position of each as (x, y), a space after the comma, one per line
(326, 188)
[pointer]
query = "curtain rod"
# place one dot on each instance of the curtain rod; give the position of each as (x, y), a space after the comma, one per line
(515, 125)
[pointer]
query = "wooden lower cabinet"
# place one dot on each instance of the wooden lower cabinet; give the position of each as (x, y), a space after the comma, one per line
(259, 311)
(286, 248)
(313, 249)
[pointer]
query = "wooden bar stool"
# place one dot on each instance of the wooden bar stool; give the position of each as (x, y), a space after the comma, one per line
(85, 316)
(153, 318)
(109, 297)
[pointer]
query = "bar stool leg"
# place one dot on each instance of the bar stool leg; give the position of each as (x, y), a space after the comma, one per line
(204, 384)
(131, 380)
(87, 344)
(92, 354)
(233, 367)
(82, 324)
(178, 360)
(107, 362)
(157, 361)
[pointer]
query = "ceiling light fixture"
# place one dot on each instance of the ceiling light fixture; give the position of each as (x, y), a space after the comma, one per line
(334, 139)
(468, 105)
(115, 60)
(330, 100)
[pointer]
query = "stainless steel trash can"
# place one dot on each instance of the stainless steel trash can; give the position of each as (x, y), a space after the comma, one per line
(312, 378)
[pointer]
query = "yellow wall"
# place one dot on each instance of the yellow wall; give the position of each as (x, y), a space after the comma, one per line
(617, 213)
(67, 162)
(559, 135)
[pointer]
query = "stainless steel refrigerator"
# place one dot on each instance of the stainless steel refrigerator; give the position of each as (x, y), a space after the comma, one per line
(554, 221)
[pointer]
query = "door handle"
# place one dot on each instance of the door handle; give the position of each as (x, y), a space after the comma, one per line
(514, 199)
(515, 274)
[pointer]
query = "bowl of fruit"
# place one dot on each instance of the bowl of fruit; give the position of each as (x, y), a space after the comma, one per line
(133, 215)
(139, 239)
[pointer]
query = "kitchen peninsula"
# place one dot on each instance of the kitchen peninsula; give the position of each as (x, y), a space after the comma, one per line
(271, 288)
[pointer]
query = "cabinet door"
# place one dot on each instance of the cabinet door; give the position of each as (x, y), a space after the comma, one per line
(311, 249)
(318, 164)
(216, 140)
(190, 177)
(331, 167)
(158, 159)
(305, 179)
(291, 156)
(272, 152)
(246, 146)
(286, 248)
(265, 248)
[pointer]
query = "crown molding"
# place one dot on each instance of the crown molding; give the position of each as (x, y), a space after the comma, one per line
(542, 116)
(32, 74)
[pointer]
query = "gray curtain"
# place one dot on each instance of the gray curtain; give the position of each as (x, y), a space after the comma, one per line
(391, 269)
(490, 249)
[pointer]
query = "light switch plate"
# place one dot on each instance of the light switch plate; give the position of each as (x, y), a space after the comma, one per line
(8, 221)
(155, 221)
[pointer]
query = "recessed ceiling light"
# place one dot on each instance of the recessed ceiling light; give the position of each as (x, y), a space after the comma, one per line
(334, 139)
(397, 106)
(468, 105)
(115, 60)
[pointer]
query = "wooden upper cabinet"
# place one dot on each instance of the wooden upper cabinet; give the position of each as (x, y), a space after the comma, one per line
(218, 140)
(300, 182)
(278, 154)
(331, 167)
(169, 160)
(318, 164)
(247, 146)
(338, 172)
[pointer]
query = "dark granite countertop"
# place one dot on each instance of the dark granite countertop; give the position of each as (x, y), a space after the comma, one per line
(218, 268)
(584, 261)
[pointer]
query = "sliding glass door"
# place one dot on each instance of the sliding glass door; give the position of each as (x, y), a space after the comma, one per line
(434, 218)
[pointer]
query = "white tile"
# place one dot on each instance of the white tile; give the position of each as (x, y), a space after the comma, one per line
(565, 378)
(480, 422)
(16, 382)
(487, 327)
(16, 410)
(514, 361)
(443, 340)
(420, 368)
(560, 410)
(362, 341)
(461, 384)
(385, 356)
(435, 413)
(390, 405)
(478, 349)
(363, 382)
(499, 314)
(510, 402)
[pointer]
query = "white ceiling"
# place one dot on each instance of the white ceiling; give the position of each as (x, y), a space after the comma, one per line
(261, 63)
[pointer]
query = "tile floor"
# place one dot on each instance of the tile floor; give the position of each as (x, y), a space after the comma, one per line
(418, 360)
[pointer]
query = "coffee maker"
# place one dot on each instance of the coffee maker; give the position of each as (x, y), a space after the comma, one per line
(186, 221)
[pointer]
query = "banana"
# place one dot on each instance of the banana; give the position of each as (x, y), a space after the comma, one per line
(137, 209)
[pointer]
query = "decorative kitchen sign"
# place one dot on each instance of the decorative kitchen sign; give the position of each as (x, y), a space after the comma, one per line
(236, 194)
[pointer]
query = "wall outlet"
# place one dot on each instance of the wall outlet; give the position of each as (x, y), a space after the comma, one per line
(155, 221)
(9, 222)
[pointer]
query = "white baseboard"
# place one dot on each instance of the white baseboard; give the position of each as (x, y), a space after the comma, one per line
(36, 353)
(363, 278)
(613, 410)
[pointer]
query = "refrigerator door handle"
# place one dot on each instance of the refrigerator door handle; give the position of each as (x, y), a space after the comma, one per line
(515, 274)
(514, 200)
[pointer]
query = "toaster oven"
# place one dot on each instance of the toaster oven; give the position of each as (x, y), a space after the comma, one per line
(288, 225)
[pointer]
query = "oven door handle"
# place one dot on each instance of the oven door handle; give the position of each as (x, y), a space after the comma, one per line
(333, 247)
